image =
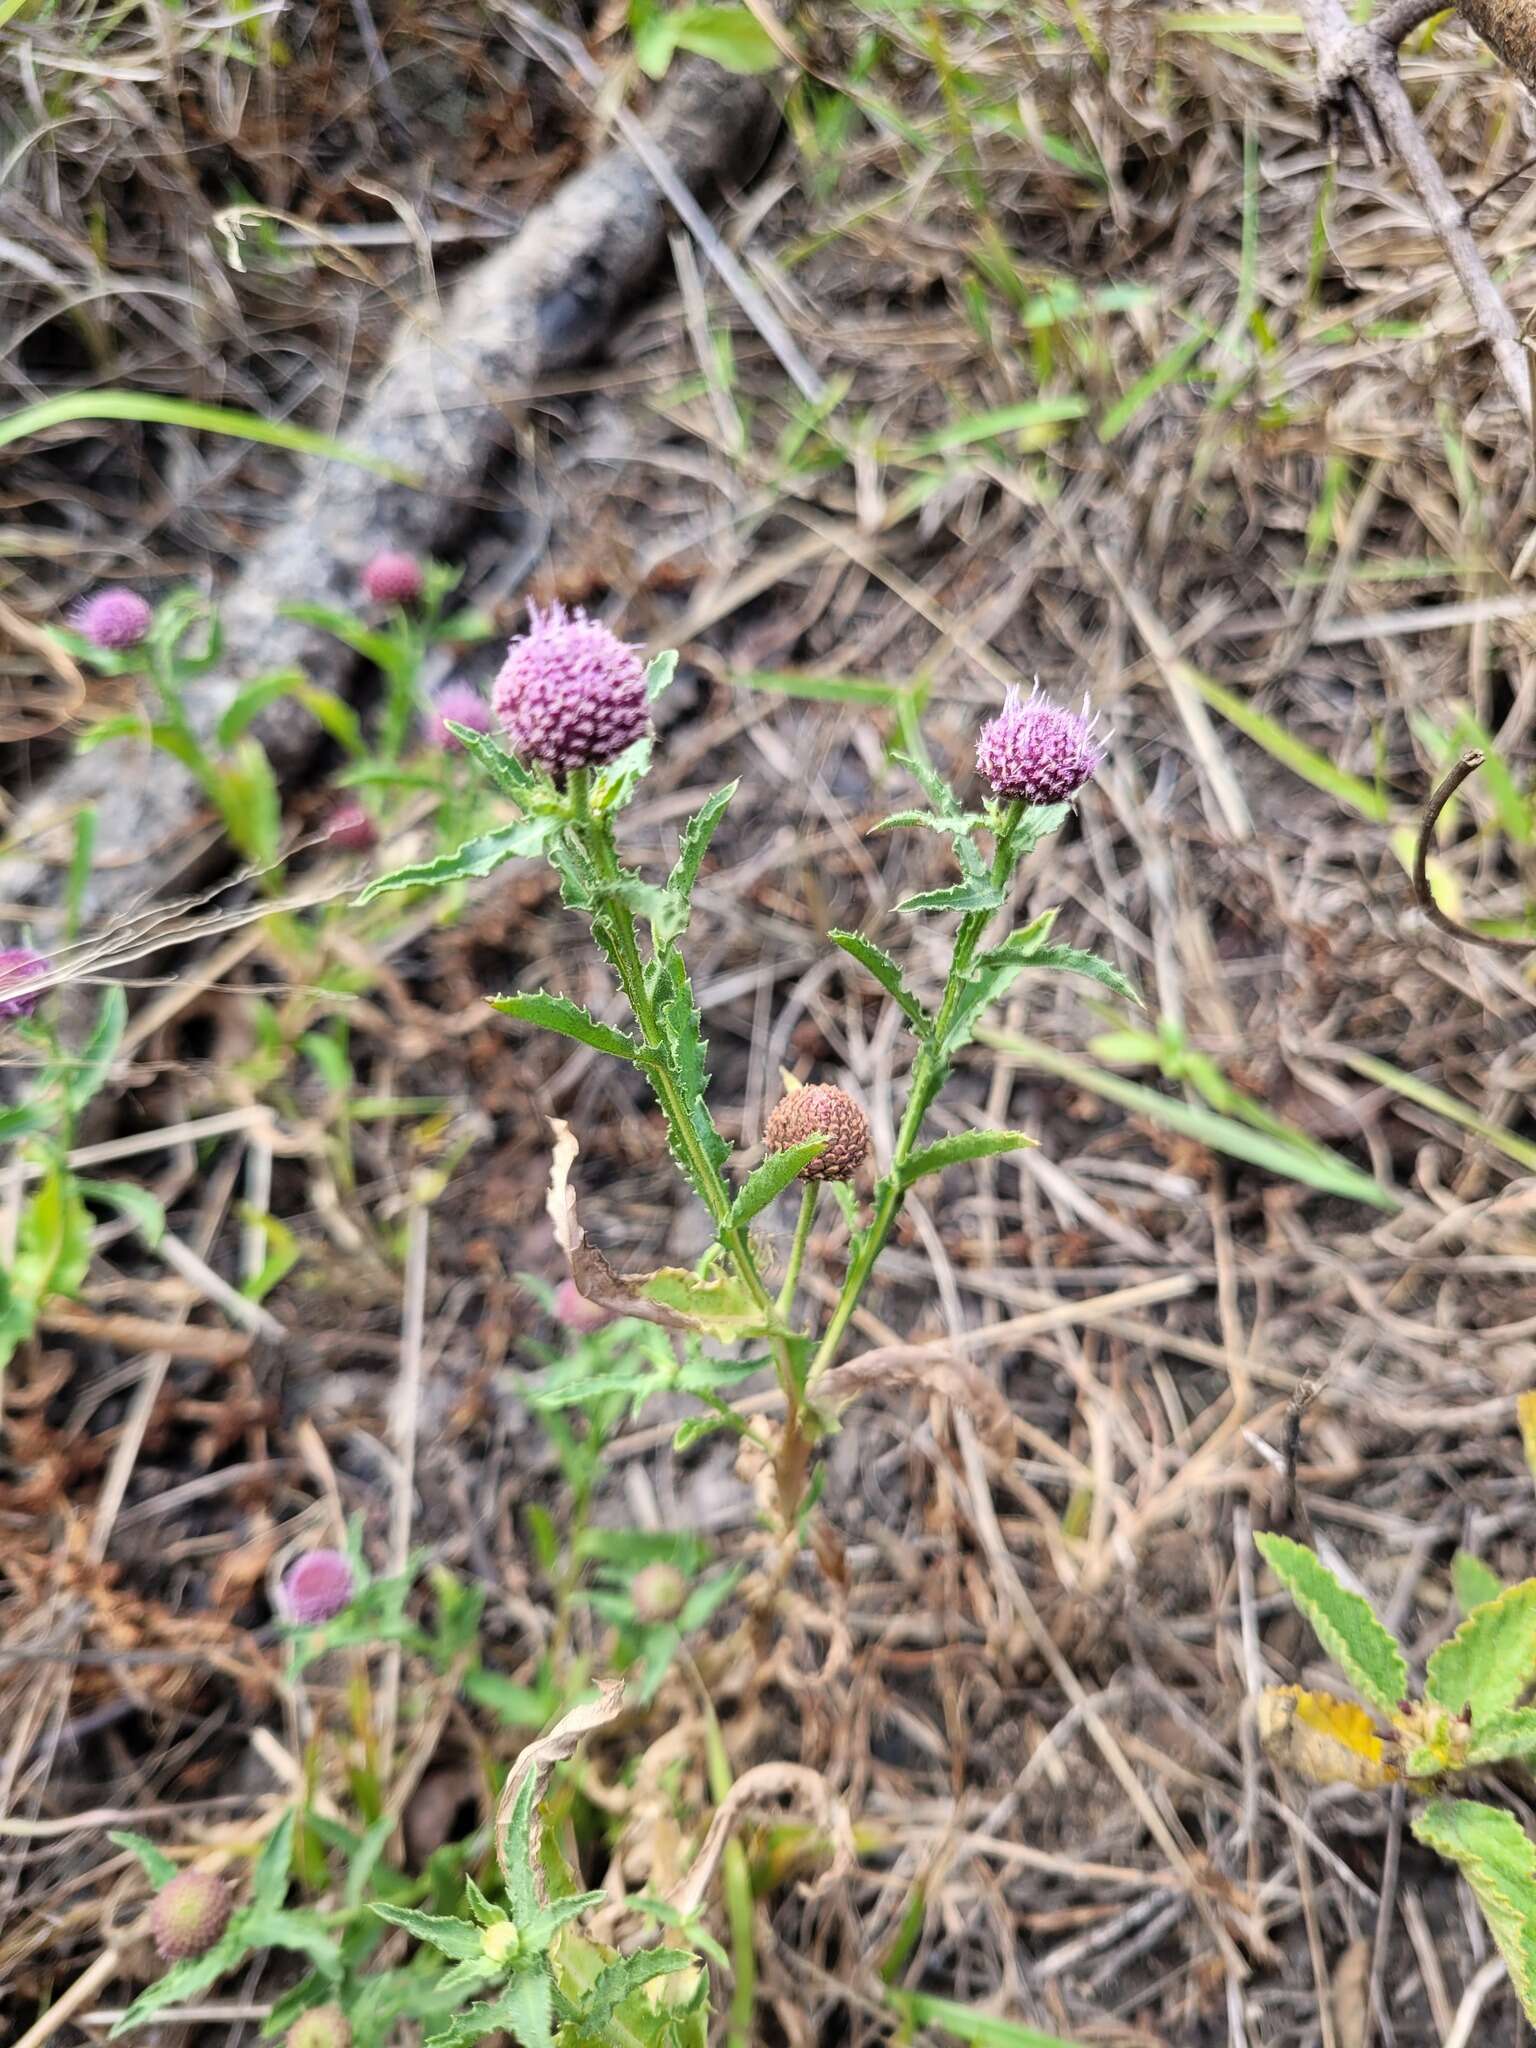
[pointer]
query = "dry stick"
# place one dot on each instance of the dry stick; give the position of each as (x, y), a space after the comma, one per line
(1358, 66)
(1440, 796)
(1376, 2005)
(403, 1428)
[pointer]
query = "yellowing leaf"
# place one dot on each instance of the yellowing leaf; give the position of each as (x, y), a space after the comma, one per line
(1325, 1740)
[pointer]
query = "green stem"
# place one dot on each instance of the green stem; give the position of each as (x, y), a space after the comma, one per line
(809, 1193)
(928, 1075)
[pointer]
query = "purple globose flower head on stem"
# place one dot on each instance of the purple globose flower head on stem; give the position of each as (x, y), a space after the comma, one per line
(1037, 750)
(317, 1586)
(19, 965)
(190, 1914)
(457, 704)
(393, 577)
(571, 694)
(113, 620)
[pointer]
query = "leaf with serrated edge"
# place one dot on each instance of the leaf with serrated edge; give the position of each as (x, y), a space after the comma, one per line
(622, 1979)
(1473, 1581)
(1491, 1659)
(1325, 1740)
(559, 1013)
(659, 671)
(1498, 1860)
(957, 1150)
(976, 895)
(769, 1180)
(1342, 1621)
(518, 1831)
(1073, 960)
(158, 1867)
(455, 1938)
(884, 969)
(476, 858)
(1508, 1734)
(694, 843)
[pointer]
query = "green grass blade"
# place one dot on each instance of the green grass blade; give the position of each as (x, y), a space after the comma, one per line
(1455, 1111)
(980, 2029)
(149, 409)
(1167, 370)
(1313, 1166)
(1290, 752)
(830, 689)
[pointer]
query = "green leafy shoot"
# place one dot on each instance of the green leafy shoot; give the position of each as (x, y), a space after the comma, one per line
(1342, 1621)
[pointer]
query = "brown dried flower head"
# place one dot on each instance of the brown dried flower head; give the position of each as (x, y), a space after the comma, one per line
(821, 1111)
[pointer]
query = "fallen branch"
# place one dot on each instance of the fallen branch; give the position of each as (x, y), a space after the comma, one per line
(547, 299)
(1357, 79)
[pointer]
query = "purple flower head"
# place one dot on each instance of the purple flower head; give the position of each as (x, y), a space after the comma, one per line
(1037, 750)
(574, 1312)
(393, 578)
(113, 619)
(463, 704)
(317, 1586)
(189, 1914)
(570, 694)
(350, 827)
(18, 966)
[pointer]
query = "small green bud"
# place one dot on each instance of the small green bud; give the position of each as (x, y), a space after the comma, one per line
(500, 1942)
(657, 1593)
(323, 2026)
(190, 1914)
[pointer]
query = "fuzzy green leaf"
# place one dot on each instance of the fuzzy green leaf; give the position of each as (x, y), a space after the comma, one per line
(1511, 1733)
(884, 969)
(1342, 1621)
(455, 1938)
(559, 1013)
(301, 1931)
(769, 1180)
(503, 770)
(622, 1979)
(1074, 960)
(679, 1020)
(1498, 1860)
(524, 839)
(516, 1852)
(1491, 1659)
(981, 894)
(963, 1146)
(935, 788)
(1473, 1581)
(158, 1867)
(547, 1922)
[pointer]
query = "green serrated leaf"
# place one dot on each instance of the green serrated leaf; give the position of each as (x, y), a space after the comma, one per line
(506, 774)
(303, 1932)
(158, 1867)
(559, 1013)
(980, 894)
(659, 672)
(695, 1429)
(517, 1853)
(679, 1020)
(769, 1180)
(1342, 1621)
(1498, 1860)
(694, 843)
(524, 839)
(628, 1975)
(1491, 1659)
(1074, 960)
(963, 1146)
(1473, 1581)
(1497, 1737)
(547, 1922)
(935, 788)
(454, 1938)
(884, 969)
(182, 1981)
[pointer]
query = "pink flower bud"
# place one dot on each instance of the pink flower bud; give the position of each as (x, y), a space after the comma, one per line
(1038, 751)
(351, 828)
(113, 619)
(189, 1915)
(570, 693)
(573, 1310)
(462, 704)
(317, 1586)
(393, 578)
(19, 965)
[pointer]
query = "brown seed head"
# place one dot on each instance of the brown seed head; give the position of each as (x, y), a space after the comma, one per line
(323, 2026)
(658, 1592)
(822, 1111)
(190, 1914)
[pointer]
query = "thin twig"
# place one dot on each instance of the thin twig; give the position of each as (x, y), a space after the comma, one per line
(1376, 2005)
(1357, 69)
(1440, 796)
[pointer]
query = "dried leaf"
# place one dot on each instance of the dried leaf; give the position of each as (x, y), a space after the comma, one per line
(768, 1781)
(1325, 1740)
(540, 1757)
(1351, 1995)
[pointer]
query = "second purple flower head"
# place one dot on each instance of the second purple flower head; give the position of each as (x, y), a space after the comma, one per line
(317, 1586)
(456, 704)
(571, 694)
(113, 620)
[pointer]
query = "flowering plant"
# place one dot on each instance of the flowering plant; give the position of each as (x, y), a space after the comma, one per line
(574, 704)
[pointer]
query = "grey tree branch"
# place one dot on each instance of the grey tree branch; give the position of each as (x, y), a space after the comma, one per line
(1357, 76)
